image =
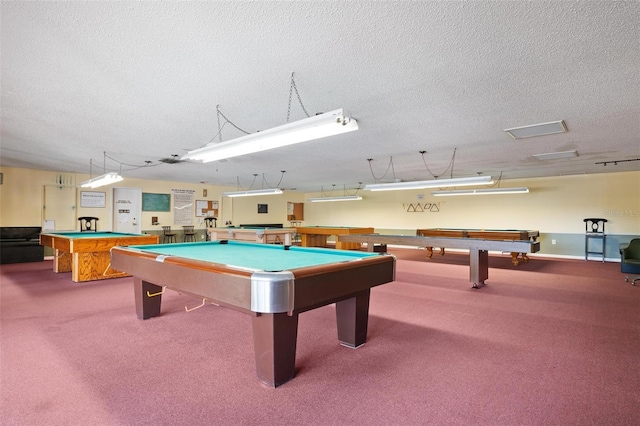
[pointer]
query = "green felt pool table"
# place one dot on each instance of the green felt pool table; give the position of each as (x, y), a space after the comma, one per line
(271, 283)
(86, 254)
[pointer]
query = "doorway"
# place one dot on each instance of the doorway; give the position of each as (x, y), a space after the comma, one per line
(127, 210)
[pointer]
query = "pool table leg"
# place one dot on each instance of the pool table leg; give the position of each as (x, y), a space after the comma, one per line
(352, 316)
(147, 307)
(274, 340)
(478, 266)
(62, 261)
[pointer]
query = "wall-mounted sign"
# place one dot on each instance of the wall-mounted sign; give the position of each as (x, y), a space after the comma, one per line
(93, 199)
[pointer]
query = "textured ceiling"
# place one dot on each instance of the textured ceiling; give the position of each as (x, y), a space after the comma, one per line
(140, 81)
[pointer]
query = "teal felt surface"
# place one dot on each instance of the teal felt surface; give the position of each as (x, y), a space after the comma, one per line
(261, 257)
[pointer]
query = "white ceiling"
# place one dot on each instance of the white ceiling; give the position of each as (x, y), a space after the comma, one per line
(140, 81)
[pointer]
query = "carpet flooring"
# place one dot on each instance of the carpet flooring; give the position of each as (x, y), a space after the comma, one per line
(548, 342)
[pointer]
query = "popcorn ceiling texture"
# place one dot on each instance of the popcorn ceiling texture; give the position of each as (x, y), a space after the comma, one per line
(141, 81)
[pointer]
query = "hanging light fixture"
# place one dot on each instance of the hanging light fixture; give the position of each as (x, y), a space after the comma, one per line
(270, 191)
(522, 190)
(329, 197)
(435, 183)
(311, 128)
(105, 179)
(337, 198)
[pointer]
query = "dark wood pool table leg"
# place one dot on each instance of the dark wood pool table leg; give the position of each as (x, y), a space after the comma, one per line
(274, 340)
(478, 266)
(147, 307)
(352, 316)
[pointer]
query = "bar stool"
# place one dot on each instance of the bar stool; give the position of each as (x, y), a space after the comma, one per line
(594, 229)
(210, 222)
(168, 235)
(295, 238)
(88, 223)
(189, 233)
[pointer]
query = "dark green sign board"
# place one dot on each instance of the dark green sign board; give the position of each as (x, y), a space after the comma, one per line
(156, 202)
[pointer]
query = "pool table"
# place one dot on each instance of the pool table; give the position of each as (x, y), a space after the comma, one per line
(257, 235)
(482, 234)
(271, 283)
(87, 254)
(316, 236)
(478, 248)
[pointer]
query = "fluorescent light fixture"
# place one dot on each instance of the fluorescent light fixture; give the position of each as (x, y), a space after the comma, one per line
(315, 127)
(556, 155)
(106, 179)
(271, 191)
(537, 130)
(341, 198)
(489, 191)
(394, 186)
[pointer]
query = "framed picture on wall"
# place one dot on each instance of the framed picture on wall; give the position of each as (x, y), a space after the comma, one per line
(93, 199)
(263, 208)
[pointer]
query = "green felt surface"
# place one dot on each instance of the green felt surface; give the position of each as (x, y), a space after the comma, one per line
(73, 234)
(260, 257)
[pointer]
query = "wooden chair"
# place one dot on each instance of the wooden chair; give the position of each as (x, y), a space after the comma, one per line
(168, 235)
(189, 233)
(210, 222)
(88, 224)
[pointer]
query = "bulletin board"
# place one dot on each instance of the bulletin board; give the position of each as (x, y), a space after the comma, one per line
(206, 208)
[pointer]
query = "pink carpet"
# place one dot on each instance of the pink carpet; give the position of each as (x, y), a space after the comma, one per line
(550, 342)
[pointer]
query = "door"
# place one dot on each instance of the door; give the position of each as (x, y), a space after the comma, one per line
(59, 209)
(127, 210)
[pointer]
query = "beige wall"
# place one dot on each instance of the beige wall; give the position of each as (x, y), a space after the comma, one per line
(554, 205)
(22, 197)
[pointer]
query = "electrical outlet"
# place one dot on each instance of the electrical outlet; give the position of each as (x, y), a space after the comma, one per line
(553, 241)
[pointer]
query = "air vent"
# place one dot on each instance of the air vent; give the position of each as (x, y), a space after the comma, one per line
(556, 155)
(171, 160)
(537, 130)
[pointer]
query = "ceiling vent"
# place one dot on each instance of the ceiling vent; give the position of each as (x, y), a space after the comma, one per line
(537, 130)
(556, 155)
(171, 160)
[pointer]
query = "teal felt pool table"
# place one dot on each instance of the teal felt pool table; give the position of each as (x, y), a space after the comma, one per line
(271, 283)
(86, 254)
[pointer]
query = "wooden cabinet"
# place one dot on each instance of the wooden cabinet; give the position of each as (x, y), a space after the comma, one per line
(295, 211)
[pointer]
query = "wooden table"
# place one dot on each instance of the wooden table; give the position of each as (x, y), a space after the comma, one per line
(316, 236)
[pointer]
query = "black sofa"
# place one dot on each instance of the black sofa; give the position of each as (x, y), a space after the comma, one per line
(20, 244)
